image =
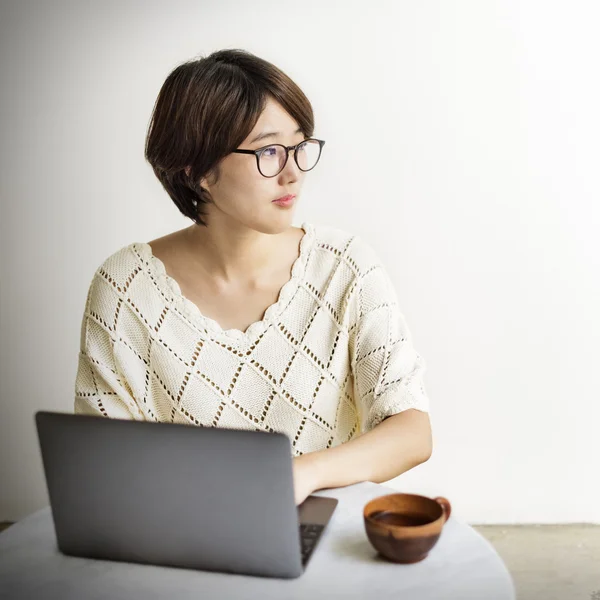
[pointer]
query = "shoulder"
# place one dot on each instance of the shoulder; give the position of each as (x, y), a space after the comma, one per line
(115, 275)
(349, 247)
(124, 296)
(123, 264)
(364, 274)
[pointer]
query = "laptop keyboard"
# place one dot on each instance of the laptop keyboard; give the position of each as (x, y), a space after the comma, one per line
(309, 536)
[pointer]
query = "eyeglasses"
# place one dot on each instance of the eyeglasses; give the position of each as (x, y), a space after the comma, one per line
(272, 159)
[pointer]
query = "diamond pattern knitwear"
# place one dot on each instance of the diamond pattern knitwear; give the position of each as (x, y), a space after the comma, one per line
(331, 358)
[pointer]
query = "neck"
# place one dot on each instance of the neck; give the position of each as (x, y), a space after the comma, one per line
(231, 252)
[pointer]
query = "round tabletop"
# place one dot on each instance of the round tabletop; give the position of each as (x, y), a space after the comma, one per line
(463, 565)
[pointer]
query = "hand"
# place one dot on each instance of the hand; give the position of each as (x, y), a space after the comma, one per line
(304, 481)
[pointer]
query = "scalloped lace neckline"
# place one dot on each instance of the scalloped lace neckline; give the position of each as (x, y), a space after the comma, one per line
(272, 312)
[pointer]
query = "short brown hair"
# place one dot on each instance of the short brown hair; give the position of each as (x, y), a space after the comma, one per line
(205, 109)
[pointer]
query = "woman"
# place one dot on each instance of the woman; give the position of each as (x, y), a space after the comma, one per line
(242, 320)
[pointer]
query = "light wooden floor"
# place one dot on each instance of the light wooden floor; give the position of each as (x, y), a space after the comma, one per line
(547, 562)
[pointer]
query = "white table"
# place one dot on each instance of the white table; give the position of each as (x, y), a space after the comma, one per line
(463, 565)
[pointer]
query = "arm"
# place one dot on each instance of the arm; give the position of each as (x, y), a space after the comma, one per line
(389, 391)
(396, 445)
(101, 389)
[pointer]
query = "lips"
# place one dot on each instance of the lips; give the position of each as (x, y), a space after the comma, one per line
(285, 198)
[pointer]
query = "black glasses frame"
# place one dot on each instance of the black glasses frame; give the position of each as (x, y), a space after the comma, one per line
(258, 153)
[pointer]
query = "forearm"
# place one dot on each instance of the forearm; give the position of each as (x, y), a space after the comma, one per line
(395, 446)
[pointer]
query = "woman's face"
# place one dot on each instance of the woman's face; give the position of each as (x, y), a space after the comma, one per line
(242, 193)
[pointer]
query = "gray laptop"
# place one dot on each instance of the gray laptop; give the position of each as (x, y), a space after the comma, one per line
(177, 495)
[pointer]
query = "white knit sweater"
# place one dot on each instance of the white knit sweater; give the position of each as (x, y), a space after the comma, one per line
(331, 358)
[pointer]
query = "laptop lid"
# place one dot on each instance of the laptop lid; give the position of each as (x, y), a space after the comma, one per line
(171, 494)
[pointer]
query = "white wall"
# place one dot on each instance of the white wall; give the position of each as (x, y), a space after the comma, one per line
(462, 142)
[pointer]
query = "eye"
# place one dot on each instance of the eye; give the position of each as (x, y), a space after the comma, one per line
(270, 151)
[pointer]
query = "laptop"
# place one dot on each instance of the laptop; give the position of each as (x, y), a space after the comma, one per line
(178, 495)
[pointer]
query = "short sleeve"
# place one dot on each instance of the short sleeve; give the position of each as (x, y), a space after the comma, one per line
(100, 389)
(387, 370)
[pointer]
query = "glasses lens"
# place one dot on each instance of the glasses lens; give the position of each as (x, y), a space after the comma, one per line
(273, 158)
(308, 154)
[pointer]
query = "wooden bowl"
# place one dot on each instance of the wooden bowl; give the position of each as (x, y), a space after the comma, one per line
(405, 527)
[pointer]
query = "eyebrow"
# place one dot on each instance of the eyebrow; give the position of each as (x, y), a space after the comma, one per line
(267, 134)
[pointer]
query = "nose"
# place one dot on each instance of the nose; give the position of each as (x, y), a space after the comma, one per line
(291, 168)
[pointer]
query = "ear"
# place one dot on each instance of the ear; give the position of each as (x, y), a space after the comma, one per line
(203, 181)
